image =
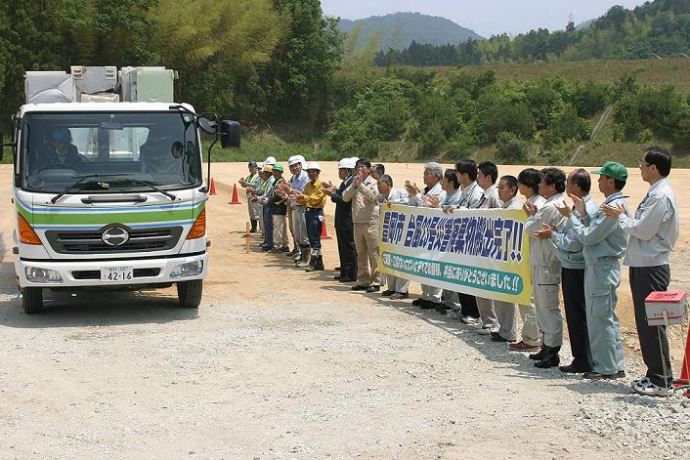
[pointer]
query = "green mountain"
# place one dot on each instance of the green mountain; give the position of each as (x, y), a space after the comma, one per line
(399, 30)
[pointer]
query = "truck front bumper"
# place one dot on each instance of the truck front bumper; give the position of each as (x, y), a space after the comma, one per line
(52, 274)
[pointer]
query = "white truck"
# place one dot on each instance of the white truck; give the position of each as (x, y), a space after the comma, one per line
(108, 184)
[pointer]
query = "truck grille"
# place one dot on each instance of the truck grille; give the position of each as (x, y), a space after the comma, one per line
(90, 242)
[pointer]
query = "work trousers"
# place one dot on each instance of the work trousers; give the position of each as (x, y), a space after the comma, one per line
(347, 253)
(280, 238)
(366, 242)
(298, 224)
(314, 220)
(268, 226)
(487, 313)
(397, 284)
(261, 217)
(545, 281)
(464, 303)
(573, 287)
(601, 281)
(253, 207)
(507, 322)
(653, 339)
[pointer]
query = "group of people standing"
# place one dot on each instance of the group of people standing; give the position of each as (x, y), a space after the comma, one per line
(277, 205)
(576, 247)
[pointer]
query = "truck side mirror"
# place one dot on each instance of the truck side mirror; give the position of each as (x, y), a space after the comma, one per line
(206, 125)
(229, 134)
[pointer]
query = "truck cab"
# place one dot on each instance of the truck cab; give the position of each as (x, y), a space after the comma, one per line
(111, 196)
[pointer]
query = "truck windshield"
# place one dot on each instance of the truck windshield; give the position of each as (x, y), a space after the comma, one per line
(129, 152)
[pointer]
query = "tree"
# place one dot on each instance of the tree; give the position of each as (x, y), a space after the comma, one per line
(300, 74)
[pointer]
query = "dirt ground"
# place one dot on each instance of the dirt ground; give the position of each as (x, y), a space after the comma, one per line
(279, 363)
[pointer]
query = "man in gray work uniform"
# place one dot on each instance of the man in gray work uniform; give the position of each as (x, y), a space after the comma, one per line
(546, 268)
(653, 232)
(604, 242)
(573, 273)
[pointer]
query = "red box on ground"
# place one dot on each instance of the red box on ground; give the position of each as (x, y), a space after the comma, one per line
(673, 303)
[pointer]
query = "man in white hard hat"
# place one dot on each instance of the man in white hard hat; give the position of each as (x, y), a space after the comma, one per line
(344, 229)
(296, 220)
(313, 199)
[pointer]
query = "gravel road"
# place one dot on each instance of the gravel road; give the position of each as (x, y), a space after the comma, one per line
(278, 363)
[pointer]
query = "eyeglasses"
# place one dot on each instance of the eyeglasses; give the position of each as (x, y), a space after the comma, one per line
(643, 163)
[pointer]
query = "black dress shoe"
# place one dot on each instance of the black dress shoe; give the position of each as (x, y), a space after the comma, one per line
(574, 369)
(597, 376)
(418, 302)
(336, 277)
(538, 355)
(496, 337)
(440, 307)
(427, 305)
(387, 293)
(549, 358)
(359, 287)
(373, 288)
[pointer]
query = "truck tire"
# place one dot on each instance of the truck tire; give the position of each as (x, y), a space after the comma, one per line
(32, 300)
(189, 293)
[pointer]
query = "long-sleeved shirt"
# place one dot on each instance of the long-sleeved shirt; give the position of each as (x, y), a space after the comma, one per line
(365, 201)
(490, 199)
(654, 229)
(603, 238)
(436, 190)
(266, 190)
(543, 252)
(313, 195)
(566, 241)
(395, 195)
(298, 182)
(471, 196)
(453, 198)
(514, 203)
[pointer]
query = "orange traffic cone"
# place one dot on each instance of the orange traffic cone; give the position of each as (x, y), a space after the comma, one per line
(212, 188)
(235, 198)
(324, 233)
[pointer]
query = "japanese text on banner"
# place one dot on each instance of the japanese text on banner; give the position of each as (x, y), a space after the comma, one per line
(482, 252)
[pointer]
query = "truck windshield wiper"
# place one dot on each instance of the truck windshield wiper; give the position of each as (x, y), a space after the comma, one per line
(82, 180)
(153, 187)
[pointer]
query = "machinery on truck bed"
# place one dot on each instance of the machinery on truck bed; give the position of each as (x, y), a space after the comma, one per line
(108, 184)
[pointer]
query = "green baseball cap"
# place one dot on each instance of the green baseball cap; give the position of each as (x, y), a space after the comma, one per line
(278, 167)
(614, 170)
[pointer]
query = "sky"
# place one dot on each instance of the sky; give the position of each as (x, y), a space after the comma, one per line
(486, 17)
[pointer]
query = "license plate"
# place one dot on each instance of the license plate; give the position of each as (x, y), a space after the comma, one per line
(117, 273)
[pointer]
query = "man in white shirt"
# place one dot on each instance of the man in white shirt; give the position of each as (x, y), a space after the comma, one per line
(653, 232)
(487, 174)
(546, 268)
(573, 273)
(397, 287)
(471, 198)
(433, 187)
(505, 311)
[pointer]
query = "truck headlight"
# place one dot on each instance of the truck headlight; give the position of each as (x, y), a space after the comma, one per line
(42, 275)
(188, 269)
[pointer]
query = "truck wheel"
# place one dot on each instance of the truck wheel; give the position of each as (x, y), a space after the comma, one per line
(32, 300)
(189, 293)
